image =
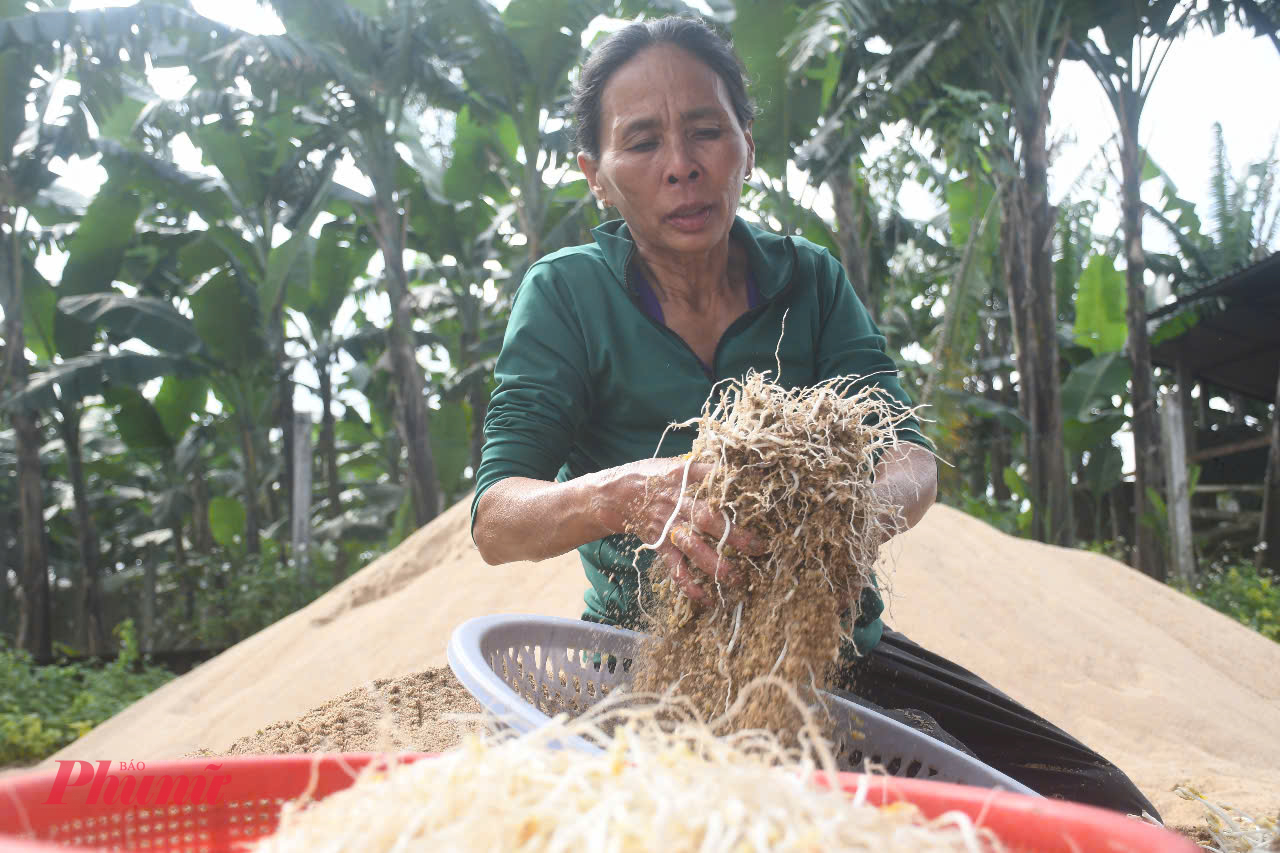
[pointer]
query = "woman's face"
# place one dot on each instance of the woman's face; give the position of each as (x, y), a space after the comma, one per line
(673, 156)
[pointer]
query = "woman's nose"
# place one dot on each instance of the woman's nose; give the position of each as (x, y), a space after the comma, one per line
(682, 165)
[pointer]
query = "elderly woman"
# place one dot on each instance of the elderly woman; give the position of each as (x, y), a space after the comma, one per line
(611, 342)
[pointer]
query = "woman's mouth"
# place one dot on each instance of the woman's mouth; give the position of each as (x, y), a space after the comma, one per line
(690, 217)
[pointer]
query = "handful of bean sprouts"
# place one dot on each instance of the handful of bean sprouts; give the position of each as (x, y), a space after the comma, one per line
(796, 467)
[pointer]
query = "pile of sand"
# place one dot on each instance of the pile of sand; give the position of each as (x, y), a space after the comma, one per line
(1168, 689)
(411, 713)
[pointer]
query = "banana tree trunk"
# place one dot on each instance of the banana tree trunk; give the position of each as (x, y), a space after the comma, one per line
(328, 439)
(92, 618)
(201, 533)
(188, 584)
(283, 492)
(411, 399)
(35, 614)
(35, 619)
(252, 521)
(1052, 520)
(1147, 445)
(854, 254)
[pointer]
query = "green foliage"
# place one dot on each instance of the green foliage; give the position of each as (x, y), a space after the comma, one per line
(1021, 493)
(1002, 515)
(243, 595)
(44, 708)
(1088, 390)
(1100, 307)
(226, 521)
(1243, 593)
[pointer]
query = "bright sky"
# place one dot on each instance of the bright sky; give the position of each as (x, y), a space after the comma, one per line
(1206, 79)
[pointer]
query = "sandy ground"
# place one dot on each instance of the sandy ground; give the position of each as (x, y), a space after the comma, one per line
(1168, 689)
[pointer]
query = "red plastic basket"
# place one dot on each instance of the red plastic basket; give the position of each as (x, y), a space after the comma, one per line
(245, 805)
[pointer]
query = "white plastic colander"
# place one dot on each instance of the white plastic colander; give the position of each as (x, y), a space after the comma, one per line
(525, 669)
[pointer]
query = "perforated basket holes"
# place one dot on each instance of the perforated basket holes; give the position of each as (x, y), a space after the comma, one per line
(856, 754)
(179, 828)
(556, 679)
(250, 819)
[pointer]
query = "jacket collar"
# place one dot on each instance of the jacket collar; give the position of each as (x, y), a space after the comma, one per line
(772, 257)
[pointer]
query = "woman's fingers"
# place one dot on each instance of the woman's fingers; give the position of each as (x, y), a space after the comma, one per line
(681, 575)
(703, 556)
(714, 524)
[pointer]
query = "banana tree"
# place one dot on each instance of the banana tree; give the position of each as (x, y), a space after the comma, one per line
(933, 77)
(513, 141)
(42, 45)
(1125, 56)
(342, 255)
(276, 172)
(383, 69)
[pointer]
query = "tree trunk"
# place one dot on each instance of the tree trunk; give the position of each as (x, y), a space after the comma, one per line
(850, 240)
(35, 620)
(1054, 525)
(186, 584)
(1035, 347)
(410, 384)
(35, 615)
(1148, 472)
(329, 440)
(1269, 534)
(252, 521)
(282, 495)
(201, 534)
(148, 640)
(1001, 458)
(92, 617)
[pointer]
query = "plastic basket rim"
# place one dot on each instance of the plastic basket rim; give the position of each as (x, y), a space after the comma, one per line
(1018, 820)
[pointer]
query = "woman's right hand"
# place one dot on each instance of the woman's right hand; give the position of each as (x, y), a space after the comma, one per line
(643, 498)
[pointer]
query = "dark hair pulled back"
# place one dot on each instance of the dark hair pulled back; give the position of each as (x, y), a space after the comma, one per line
(690, 34)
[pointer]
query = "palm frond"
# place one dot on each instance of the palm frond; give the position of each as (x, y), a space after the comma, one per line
(829, 27)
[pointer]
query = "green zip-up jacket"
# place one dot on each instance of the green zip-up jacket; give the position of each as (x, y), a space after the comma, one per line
(586, 380)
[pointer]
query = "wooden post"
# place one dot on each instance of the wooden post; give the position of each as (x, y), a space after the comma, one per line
(1269, 531)
(1185, 383)
(1178, 502)
(301, 528)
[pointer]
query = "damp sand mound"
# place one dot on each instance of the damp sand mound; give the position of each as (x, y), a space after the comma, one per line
(795, 467)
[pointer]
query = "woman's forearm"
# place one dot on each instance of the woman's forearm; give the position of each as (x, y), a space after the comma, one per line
(523, 519)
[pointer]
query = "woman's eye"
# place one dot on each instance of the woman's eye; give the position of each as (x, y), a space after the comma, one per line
(708, 133)
(646, 145)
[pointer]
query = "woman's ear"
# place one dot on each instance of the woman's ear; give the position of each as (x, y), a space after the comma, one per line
(590, 168)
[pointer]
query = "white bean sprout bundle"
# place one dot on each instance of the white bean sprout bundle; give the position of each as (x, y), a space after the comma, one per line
(668, 785)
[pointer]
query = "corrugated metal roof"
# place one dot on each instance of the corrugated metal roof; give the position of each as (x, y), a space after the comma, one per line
(1228, 332)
